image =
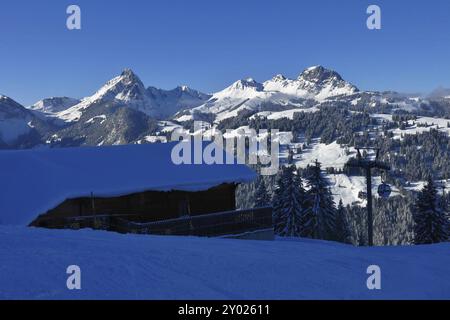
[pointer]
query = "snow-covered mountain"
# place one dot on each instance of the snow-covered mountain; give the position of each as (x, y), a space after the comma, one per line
(128, 90)
(105, 124)
(14, 120)
(180, 98)
(19, 127)
(314, 84)
(53, 105)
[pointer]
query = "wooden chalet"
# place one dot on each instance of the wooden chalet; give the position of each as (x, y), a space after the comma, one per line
(129, 189)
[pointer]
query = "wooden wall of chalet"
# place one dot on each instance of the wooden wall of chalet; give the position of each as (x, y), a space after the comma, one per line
(146, 206)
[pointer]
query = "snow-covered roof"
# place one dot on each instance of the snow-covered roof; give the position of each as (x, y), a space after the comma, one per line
(35, 181)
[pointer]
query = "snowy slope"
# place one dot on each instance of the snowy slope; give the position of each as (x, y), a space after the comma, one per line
(329, 155)
(427, 123)
(288, 114)
(114, 266)
(347, 188)
(420, 125)
(419, 185)
(343, 187)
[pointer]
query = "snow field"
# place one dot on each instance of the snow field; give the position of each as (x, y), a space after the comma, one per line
(114, 266)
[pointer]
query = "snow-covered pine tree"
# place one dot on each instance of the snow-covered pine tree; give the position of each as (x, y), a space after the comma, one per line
(293, 198)
(430, 222)
(444, 205)
(289, 203)
(277, 202)
(261, 196)
(319, 218)
(362, 241)
(342, 229)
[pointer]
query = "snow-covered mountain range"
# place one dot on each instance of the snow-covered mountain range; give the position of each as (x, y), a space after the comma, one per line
(124, 110)
(314, 87)
(121, 111)
(127, 89)
(53, 105)
(315, 83)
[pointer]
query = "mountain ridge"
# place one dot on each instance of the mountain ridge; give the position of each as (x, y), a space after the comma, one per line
(124, 110)
(126, 88)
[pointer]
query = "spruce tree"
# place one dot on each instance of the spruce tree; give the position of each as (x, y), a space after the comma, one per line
(430, 222)
(319, 218)
(293, 198)
(261, 196)
(289, 203)
(342, 228)
(362, 242)
(277, 202)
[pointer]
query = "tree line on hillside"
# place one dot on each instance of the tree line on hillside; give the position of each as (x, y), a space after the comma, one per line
(303, 206)
(414, 157)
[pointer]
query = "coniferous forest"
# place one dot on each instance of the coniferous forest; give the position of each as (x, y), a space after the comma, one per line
(301, 197)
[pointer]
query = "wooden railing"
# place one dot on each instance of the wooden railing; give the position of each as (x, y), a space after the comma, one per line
(216, 224)
(210, 225)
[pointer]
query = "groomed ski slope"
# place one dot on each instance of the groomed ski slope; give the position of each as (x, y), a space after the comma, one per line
(113, 266)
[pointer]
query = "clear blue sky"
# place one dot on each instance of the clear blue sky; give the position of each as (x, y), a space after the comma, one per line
(208, 44)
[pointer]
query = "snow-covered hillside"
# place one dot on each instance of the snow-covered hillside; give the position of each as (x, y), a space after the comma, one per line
(417, 126)
(288, 114)
(343, 187)
(329, 155)
(347, 188)
(423, 124)
(114, 266)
